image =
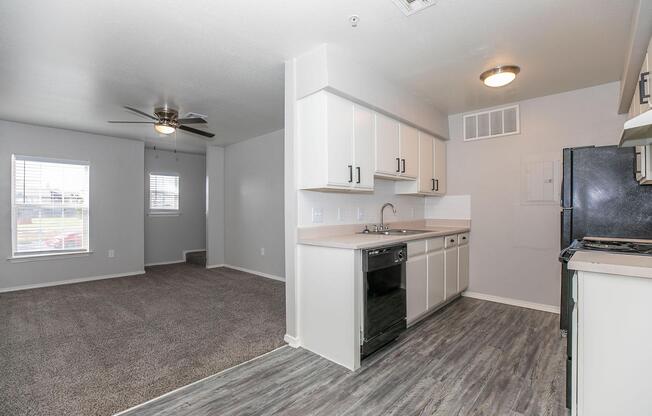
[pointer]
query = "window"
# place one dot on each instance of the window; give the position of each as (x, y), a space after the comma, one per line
(50, 212)
(164, 193)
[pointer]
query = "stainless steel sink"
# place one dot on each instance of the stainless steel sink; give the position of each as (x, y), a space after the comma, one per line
(395, 232)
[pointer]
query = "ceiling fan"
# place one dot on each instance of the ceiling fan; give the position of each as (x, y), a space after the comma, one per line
(166, 121)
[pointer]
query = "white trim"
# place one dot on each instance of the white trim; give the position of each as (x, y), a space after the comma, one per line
(292, 341)
(49, 256)
(196, 382)
(267, 275)
(214, 266)
(513, 302)
(70, 281)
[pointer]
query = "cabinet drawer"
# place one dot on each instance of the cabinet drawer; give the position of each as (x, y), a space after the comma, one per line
(416, 248)
(463, 239)
(450, 241)
(435, 244)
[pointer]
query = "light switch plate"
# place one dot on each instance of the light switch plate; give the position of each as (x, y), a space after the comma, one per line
(360, 214)
(340, 214)
(111, 253)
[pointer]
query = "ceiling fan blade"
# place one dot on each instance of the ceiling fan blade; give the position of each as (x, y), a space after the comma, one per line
(193, 120)
(191, 130)
(133, 122)
(137, 111)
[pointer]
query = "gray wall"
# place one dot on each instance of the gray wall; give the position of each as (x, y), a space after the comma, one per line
(116, 203)
(167, 237)
(514, 246)
(214, 206)
(254, 204)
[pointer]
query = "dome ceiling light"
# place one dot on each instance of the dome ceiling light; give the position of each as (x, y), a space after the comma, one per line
(499, 76)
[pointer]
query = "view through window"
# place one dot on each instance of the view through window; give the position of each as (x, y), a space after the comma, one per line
(163, 192)
(51, 206)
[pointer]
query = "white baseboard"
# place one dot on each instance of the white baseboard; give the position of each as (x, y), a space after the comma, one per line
(513, 302)
(292, 341)
(242, 269)
(214, 266)
(70, 281)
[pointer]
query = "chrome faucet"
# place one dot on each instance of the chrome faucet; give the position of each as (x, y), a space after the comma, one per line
(382, 220)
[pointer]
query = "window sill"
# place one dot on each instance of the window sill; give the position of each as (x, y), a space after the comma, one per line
(164, 214)
(49, 256)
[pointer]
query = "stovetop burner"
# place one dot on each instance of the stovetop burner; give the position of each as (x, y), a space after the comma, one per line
(616, 246)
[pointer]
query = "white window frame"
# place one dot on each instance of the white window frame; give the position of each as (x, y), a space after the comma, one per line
(45, 254)
(163, 212)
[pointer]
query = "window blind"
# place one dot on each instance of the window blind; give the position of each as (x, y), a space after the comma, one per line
(51, 206)
(163, 192)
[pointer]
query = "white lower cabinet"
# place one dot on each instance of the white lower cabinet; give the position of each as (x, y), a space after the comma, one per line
(463, 268)
(437, 270)
(436, 293)
(417, 286)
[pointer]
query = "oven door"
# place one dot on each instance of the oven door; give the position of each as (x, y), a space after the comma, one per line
(385, 300)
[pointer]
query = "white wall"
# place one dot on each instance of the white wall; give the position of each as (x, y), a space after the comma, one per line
(254, 204)
(514, 246)
(167, 237)
(116, 203)
(214, 206)
(407, 207)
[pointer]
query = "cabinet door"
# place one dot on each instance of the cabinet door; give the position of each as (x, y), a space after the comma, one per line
(463, 268)
(387, 146)
(450, 267)
(340, 141)
(364, 148)
(409, 151)
(436, 288)
(426, 163)
(440, 166)
(416, 277)
(643, 107)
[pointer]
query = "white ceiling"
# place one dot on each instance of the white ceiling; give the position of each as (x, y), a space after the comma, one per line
(73, 64)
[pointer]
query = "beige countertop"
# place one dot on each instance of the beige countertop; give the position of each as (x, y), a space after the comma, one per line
(355, 241)
(612, 263)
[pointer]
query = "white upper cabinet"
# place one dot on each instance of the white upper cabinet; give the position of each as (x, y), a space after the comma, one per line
(440, 167)
(431, 177)
(409, 146)
(388, 161)
(397, 149)
(335, 144)
(426, 178)
(641, 100)
(363, 133)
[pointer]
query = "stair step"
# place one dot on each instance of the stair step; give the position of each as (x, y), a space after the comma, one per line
(196, 257)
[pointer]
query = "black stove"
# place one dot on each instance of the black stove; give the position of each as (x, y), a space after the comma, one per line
(613, 246)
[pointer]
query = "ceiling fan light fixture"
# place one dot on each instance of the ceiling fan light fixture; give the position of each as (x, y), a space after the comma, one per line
(499, 76)
(164, 128)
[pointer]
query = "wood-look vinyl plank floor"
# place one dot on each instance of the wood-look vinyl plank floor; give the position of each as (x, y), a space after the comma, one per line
(472, 358)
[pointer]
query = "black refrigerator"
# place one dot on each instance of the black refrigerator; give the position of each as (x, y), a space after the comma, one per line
(600, 198)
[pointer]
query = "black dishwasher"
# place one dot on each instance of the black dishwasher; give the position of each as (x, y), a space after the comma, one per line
(384, 300)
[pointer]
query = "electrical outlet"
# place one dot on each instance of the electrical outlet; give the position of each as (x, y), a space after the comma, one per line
(414, 212)
(340, 214)
(111, 253)
(360, 214)
(262, 251)
(317, 216)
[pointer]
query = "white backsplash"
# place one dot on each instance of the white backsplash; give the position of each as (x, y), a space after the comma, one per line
(449, 207)
(342, 208)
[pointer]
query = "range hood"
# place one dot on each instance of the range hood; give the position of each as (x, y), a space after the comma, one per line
(637, 130)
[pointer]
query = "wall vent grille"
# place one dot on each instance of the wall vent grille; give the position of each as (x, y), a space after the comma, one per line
(409, 7)
(492, 123)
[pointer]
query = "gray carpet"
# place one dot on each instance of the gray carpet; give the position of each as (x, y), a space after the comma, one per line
(100, 347)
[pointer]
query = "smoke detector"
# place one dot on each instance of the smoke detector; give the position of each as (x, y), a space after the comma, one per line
(409, 7)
